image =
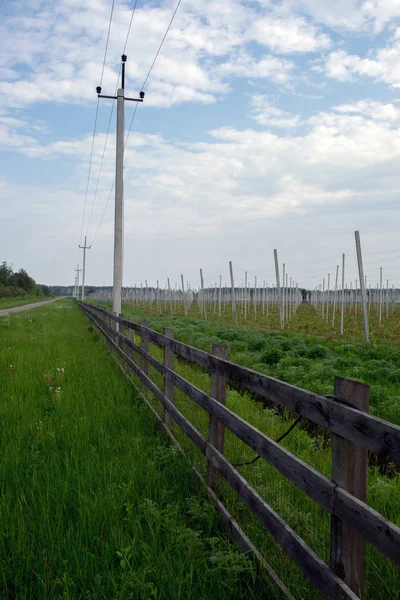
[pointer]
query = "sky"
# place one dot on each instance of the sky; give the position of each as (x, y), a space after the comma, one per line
(265, 125)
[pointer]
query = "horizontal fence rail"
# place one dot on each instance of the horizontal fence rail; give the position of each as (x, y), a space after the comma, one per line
(350, 425)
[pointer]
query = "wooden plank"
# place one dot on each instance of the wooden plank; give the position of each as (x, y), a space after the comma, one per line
(364, 430)
(349, 471)
(169, 364)
(234, 531)
(383, 534)
(215, 427)
(145, 345)
(317, 571)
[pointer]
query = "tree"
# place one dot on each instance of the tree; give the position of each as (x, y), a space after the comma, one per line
(44, 289)
(22, 280)
(6, 273)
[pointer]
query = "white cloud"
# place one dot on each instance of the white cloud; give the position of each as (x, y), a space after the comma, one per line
(288, 35)
(370, 16)
(266, 114)
(372, 109)
(267, 67)
(383, 65)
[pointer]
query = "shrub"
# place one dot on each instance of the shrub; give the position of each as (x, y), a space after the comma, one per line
(317, 351)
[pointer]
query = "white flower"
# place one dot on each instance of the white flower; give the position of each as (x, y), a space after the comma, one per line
(11, 367)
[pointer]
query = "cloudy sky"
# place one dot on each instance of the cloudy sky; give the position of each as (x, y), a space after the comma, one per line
(266, 124)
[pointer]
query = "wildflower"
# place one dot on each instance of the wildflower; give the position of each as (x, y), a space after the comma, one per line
(11, 367)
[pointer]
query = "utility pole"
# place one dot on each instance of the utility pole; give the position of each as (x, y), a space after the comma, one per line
(119, 189)
(84, 247)
(77, 271)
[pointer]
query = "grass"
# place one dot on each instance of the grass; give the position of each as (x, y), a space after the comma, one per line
(313, 363)
(20, 301)
(94, 503)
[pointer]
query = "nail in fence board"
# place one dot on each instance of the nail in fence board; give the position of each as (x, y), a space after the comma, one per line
(215, 427)
(169, 363)
(349, 470)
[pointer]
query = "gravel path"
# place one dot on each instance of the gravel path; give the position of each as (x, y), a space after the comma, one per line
(6, 311)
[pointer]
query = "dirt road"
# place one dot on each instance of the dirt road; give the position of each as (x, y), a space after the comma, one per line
(6, 311)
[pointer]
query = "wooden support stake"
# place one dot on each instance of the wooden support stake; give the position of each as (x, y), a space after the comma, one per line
(169, 363)
(349, 470)
(131, 336)
(144, 362)
(215, 428)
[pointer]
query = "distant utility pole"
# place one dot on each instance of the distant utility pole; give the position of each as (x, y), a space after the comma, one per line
(77, 271)
(84, 268)
(119, 189)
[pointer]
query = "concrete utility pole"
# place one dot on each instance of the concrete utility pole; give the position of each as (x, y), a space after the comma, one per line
(77, 271)
(84, 268)
(119, 189)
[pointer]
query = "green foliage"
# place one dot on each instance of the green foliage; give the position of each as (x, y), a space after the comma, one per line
(94, 503)
(15, 284)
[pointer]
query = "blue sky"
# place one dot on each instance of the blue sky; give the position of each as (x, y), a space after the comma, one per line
(265, 125)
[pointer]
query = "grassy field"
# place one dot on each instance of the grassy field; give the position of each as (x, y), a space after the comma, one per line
(311, 363)
(21, 301)
(94, 502)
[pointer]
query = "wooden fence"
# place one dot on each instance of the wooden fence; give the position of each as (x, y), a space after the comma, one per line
(354, 432)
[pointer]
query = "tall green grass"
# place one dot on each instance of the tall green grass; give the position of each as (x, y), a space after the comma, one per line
(94, 503)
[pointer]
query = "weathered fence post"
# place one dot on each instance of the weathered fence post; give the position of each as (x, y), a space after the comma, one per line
(349, 470)
(131, 337)
(121, 329)
(169, 363)
(145, 346)
(215, 428)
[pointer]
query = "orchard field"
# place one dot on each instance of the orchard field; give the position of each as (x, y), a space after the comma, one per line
(308, 353)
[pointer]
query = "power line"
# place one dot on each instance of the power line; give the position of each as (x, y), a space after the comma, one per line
(152, 65)
(95, 125)
(104, 212)
(109, 121)
(135, 110)
(130, 25)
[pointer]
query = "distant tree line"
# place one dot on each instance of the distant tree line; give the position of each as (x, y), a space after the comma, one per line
(19, 283)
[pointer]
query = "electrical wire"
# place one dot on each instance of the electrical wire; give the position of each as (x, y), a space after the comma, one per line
(136, 106)
(152, 65)
(109, 125)
(95, 126)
